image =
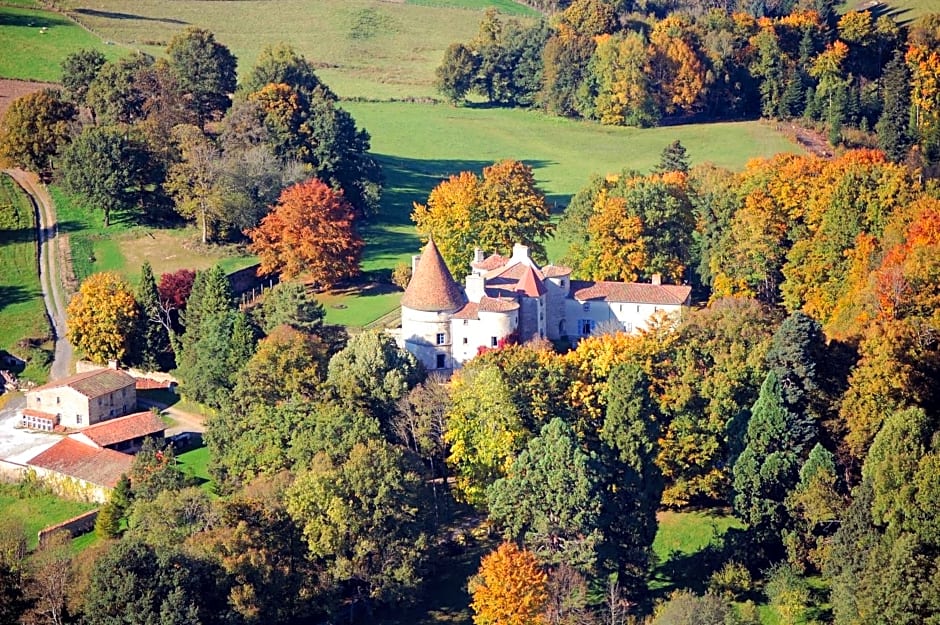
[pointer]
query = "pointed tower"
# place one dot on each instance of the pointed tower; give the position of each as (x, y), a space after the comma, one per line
(429, 302)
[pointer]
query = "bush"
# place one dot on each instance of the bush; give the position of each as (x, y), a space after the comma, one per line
(401, 275)
(788, 594)
(732, 581)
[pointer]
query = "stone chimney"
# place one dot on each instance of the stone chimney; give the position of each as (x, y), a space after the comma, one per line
(414, 262)
(520, 254)
(113, 364)
(478, 255)
(656, 279)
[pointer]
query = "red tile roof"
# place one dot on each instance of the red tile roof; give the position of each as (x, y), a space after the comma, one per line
(493, 261)
(93, 383)
(39, 414)
(146, 384)
(631, 292)
(555, 271)
(432, 287)
(85, 462)
(530, 284)
(472, 310)
(114, 431)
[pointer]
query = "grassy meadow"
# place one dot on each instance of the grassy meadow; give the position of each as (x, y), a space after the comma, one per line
(903, 11)
(37, 510)
(364, 48)
(22, 312)
(35, 43)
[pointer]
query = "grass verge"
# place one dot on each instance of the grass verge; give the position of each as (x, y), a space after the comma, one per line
(22, 312)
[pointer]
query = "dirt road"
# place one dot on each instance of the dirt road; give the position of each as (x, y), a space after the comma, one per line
(49, 271)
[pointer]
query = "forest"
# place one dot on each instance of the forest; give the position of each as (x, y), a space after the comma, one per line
(799, 395)
(858, 77)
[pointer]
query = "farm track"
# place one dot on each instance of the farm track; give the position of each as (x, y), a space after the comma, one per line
(49, 270)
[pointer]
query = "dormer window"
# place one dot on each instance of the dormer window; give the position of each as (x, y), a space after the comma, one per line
(586, 306)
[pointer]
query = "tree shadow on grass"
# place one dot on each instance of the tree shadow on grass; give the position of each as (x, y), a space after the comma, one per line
(14, 294)
(693, 570)
(17, 235)
(409, 180)
(112, 15)
(31, 20)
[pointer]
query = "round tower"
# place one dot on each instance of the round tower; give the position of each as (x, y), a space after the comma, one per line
(429, 302)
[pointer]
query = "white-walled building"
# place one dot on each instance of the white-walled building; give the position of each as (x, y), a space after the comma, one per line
(512, 298)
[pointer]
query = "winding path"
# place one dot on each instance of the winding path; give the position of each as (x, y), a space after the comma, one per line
(49, 271)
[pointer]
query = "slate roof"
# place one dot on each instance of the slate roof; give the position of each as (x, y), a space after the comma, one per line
(92, 384)
(432, 287)
(114, 431)
(631, 292)
(85, 462)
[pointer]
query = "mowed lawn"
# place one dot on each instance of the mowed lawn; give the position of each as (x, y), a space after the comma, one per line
(22, 312)
(125, 245)
(34, 43)
(363, 48)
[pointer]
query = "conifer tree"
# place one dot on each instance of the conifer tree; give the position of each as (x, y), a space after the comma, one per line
(152, 338)
(893, 132)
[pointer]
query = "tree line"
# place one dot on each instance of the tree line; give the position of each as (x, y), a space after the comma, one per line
(861, 77)
(177, 136)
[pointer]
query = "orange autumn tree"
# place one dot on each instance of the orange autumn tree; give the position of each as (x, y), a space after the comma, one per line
(311, 230)
(102, 317)
(509, 589)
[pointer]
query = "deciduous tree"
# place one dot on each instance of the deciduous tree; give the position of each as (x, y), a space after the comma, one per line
(34, 129)
(79, 70)
(204, 69)
(311, 230)
(102, 317)
(509, 589)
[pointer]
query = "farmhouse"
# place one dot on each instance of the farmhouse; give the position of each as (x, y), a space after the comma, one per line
(92, 461)
(80, 400)
(505, 299)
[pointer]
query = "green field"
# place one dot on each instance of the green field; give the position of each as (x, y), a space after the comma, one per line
(37, 510)
(903, 11)
(22, 313)
(124, 246)
(688, 546)
(365, 48)
(36, 42)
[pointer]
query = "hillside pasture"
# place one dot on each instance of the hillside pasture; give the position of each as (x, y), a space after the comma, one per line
(36, 509)
(363, 48)
(36, 42)
(902, 11)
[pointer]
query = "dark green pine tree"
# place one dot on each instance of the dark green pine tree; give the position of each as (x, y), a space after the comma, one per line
(551, 500)
(152, 338)
(634, 484)
(673, 158)
(768, 468)
(797, 353)
(892, 128)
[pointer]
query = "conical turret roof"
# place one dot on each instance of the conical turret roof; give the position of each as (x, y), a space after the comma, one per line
(432, 287)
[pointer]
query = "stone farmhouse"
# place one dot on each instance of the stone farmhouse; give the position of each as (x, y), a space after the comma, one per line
(80, 400)
(505, 299)
(89, 463)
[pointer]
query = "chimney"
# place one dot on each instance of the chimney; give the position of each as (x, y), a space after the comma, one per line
(478, 255)
(656, 279)
(113, 364)
(520, 254)
(414, 262)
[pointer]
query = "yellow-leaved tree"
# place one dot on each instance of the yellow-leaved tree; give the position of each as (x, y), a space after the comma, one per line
(509, 589)
(102, 317)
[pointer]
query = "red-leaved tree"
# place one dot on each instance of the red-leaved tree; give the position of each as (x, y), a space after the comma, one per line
(311, 230)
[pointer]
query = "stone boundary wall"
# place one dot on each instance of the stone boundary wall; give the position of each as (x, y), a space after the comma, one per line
(76, 526)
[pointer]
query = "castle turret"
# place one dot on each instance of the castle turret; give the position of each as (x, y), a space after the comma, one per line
(430, 300)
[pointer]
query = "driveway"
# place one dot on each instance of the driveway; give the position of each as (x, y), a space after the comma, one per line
(16, 444)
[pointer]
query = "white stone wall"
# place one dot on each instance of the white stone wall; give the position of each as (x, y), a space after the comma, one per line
(71, 406)
(632, 317)
(419, 335)
(472, 334)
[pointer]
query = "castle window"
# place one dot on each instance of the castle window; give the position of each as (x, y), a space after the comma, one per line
(78, 419)
(586, 326)
(440, 338)
(465, 341)
(494, 341)
(638, 308)
(440, 361)
(58, 400)
(586, 306)
(628, 327)
(466, 322)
